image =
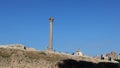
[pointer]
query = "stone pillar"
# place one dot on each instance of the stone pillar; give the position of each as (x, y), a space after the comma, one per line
(50, 47)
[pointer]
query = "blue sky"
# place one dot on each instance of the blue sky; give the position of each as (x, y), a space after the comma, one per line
(91, 25)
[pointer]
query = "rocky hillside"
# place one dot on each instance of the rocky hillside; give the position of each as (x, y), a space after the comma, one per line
(22, 58)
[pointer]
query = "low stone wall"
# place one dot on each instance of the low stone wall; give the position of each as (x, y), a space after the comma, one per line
(18, 46)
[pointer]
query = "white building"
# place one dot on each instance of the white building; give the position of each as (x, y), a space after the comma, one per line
(78, 53)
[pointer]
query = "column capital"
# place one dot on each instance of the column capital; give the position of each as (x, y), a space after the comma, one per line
(51, 19)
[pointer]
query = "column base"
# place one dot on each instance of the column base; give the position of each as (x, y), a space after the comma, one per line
(49, 50)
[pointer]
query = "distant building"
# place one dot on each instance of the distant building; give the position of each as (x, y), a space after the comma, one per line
(109, 56)
(113, 55)
(78, 53)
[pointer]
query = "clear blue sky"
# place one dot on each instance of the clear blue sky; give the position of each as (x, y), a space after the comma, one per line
(91, 25)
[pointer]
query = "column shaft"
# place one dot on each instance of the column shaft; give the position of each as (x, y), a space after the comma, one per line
(51, 35)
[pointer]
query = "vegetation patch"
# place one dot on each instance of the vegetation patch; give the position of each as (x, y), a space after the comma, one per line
(35, 54)
(5, 53)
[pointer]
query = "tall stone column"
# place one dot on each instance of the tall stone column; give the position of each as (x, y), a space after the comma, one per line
(50, 47)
